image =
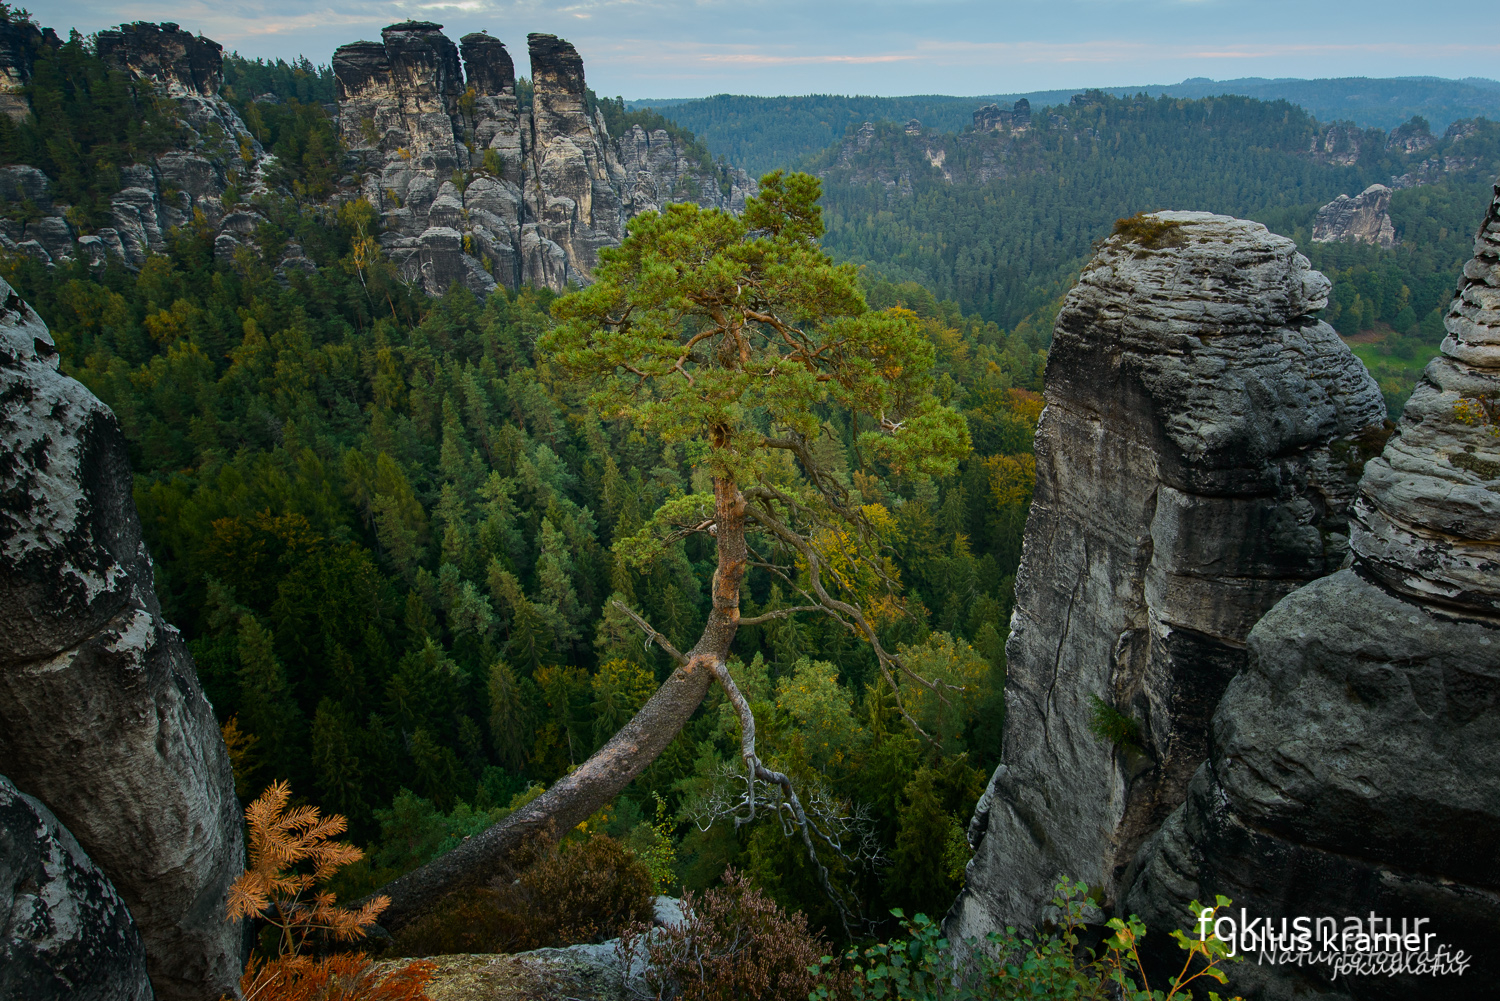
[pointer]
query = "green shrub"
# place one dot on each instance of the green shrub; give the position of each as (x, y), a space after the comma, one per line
(1051, 965)
(582, 891)
(1109, 724)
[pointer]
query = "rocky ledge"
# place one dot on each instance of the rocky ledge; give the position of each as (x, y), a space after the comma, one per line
(1196, 462)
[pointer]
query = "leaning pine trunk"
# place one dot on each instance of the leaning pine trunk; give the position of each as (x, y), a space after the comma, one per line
(581, 793)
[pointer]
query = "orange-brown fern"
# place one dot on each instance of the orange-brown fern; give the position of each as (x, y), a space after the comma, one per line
(335, 978)
(273, 889)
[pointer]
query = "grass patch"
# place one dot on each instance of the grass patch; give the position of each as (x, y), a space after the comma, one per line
(1149, 232)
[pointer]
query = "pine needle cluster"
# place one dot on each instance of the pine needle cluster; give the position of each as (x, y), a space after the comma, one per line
(277, 891)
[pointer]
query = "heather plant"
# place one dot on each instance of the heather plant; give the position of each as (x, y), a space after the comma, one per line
(733, 944)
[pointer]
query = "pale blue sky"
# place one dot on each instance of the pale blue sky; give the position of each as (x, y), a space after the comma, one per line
(688, 48)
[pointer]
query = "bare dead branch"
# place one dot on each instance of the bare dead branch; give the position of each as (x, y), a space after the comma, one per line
(780, 613)
(652, 636)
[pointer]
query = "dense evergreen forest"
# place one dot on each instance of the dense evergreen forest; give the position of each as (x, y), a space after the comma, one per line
(385, 528)
(1004, 224)
(764, 133)
(385, 525)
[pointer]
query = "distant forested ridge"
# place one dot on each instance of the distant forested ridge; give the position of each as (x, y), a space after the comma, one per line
(1000, 221)
(764, 133)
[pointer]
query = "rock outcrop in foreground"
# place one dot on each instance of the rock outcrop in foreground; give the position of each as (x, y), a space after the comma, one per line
(1365, 218)
(64, 931)
(1355, 762)
(474, 189)
(102, 718)
(1196, 462)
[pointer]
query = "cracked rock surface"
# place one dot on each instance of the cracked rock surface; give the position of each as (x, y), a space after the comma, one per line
(64, 931)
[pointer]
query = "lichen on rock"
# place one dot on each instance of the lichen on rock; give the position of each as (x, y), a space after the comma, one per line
(102, 717)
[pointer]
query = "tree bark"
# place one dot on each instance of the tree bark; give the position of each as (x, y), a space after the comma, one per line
(582, 792)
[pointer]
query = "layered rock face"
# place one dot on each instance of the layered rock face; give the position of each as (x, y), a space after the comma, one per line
(19, 44)
(218, 151)
(993, 118)
(101, 714)
(471, 189)
(1365, 218)
(1354, 762)
(64, 931)
(1193, 467)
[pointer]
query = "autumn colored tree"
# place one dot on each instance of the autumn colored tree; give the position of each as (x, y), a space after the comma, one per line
(734, 337)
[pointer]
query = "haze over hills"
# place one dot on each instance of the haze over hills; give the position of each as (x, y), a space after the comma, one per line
(763, 133)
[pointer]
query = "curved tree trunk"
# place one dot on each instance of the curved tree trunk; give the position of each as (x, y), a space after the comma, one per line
(582, 792)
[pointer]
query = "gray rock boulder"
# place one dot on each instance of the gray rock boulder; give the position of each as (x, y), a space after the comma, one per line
(1195, 463)
(64, 931)
(1365, 218)
(101, 714)
(1355, 762)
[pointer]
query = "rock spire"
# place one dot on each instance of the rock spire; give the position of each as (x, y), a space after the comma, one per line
(1195, 463)
(1355, 762)
(473, 188)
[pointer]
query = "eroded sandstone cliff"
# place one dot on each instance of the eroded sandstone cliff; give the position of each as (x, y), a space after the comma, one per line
(1354, 761)
(214, 153)
(474, 189)
(1195, 463)
(1365, 218)
(102, 717)
(471, 187)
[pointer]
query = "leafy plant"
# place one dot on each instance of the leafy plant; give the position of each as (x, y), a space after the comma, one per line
(1109, 724)
(1010, 966)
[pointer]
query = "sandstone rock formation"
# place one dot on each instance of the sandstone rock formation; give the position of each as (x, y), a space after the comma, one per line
(101, 714)
(1365, 218)
(19, 44)
(472, 188)
(218, 152)
(993, 118)
(1355, 762)
(64, 931)
(1193, 467)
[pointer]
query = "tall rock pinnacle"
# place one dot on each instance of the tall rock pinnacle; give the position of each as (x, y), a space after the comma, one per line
(1193, 467)
(476, 190)
(1355, 763)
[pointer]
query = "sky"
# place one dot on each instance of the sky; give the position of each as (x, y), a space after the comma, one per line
(693, 48)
